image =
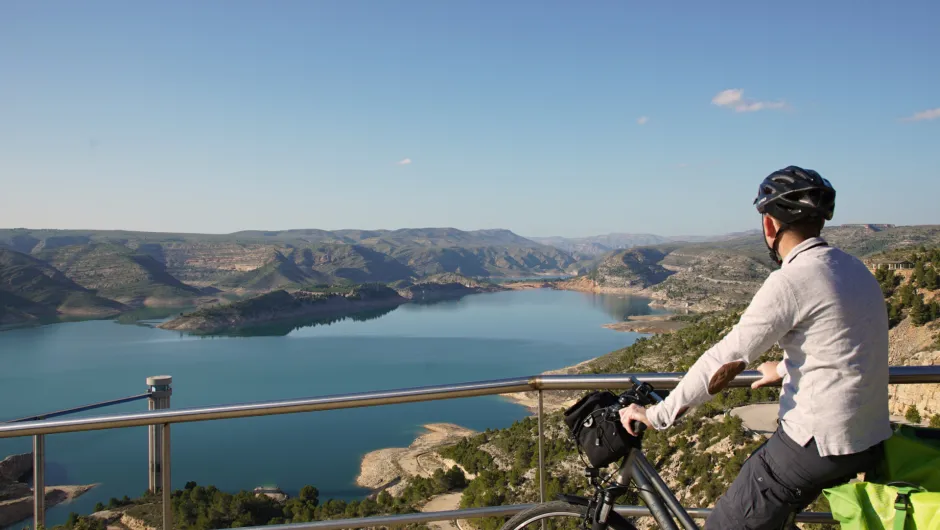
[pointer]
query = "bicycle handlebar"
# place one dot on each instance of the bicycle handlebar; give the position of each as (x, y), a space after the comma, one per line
(642, 394)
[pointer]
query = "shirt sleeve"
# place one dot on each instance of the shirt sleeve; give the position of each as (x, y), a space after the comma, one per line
(772, 313)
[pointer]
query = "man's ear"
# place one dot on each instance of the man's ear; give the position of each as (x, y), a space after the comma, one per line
(770, 227)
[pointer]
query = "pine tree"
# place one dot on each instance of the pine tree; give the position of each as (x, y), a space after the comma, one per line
(917, 277)
(894, 314)
(920, 313)
(888, 280)
(930, 279)
(907, 293)
(912, 414)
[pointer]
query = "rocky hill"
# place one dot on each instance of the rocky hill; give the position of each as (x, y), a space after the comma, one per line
(31, 290)
(722, 274)
(281, 272)
(632, 269)
(117, 272)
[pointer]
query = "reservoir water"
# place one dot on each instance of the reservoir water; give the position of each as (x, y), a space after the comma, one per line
(486, 336)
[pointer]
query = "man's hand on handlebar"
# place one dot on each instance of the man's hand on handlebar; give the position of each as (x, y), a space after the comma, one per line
(632, 413)
(768, 373)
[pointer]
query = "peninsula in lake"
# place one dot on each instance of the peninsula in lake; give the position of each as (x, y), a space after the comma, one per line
(324, 302)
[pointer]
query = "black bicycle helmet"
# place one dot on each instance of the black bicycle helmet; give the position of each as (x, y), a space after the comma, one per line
(793, 194)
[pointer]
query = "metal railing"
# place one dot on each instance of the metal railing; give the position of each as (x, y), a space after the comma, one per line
(165, 418)
(83, 408)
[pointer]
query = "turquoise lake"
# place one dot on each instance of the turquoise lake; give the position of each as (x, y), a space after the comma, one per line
(485, 336)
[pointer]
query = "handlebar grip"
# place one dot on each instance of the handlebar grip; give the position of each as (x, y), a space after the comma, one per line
(638, 426)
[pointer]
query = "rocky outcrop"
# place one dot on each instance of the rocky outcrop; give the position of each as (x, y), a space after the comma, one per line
(14, 468)
(635, 268)
(16, 496)
(134, 523)
(19, 509)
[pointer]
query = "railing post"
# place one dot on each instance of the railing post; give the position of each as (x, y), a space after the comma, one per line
(541, 454)
(39, 481)
(160, 390)
(165, 487)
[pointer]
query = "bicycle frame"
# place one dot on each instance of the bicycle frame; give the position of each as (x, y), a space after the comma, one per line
(655, 493)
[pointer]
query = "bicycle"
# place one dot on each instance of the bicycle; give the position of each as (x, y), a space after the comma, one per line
(597, 512)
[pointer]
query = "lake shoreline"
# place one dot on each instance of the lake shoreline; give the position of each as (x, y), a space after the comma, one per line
(389, 469)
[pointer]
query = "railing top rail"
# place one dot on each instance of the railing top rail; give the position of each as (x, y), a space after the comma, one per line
(899, 375)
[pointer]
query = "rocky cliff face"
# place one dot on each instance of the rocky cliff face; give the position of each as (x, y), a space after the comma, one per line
(925, 397)
(203, 263)
(914, 346)
(632, 269)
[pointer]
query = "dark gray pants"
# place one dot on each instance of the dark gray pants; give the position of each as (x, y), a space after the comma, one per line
(780, 478)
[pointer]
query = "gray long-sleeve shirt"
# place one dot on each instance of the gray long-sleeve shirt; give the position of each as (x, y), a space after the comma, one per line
(827, 312)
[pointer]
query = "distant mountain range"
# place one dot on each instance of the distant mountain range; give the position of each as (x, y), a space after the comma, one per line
(54, 273)
(597, 245)
(134, 269)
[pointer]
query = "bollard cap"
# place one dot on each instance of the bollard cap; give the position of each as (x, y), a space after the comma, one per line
(159, 380)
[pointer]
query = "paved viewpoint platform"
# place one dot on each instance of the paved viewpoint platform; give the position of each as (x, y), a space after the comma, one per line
(760, 418)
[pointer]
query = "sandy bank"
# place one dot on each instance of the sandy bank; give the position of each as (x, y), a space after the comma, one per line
(587, 285)
(648, 324)
(551, 401)
(13, 511)
(390, 468)
(523, 286)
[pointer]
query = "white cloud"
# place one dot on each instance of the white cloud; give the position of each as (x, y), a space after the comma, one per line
(931, 114)
(733, 98)
(404, 162)
(642, 120)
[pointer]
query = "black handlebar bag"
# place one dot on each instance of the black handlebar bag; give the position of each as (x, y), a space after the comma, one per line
(603, 440)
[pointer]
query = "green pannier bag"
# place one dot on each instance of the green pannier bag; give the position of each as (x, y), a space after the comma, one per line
(903, 493)
(912, 454)
(868, 506)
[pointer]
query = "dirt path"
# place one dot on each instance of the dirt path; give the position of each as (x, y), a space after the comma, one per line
(443, 503)
(760, 418)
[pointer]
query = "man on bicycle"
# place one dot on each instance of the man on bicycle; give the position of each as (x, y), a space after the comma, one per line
(827, 312)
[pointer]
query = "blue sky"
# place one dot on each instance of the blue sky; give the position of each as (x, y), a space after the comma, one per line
(547, 118)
